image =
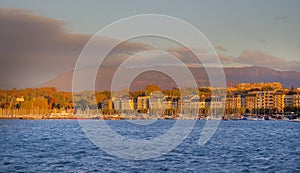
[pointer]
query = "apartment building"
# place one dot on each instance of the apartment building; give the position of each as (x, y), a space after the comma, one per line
(191, 104)
(279, 101)
(296, 100)
(123, 104)
(250, 102)
(288, 100)
(141, 102)
(263, 85)
(260, 100)
(233, 103)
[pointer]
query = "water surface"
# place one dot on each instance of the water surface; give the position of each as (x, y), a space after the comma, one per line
(237, 146)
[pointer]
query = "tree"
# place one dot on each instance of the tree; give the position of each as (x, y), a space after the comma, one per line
(40, 103)
(100, 97)
(292, 88)
(152, 88)
(59, 99)
(27, 104)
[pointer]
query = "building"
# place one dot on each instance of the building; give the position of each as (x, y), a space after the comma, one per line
(171, 105)
(260, 102)
(233, 103)
(202, 103)
(123, 105)
(155, 104)
(215, 106)
(141, 103)
(117, 104)
(279, 101)
(155, 100)
(288, 100)
(167, 102)
(260, 86)
(107, 104)
(250, 103)
(268, 100)
(20, 99)
(190, 104)
(296, 100)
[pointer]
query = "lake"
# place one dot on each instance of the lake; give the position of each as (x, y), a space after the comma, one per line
(237, 146)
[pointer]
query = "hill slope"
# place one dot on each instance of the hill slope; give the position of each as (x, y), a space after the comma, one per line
(234, 75)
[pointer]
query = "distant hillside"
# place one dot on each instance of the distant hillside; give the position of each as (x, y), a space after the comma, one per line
(262, 74)
(233, 75)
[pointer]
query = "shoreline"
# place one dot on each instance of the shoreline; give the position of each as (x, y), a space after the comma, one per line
(108, 119)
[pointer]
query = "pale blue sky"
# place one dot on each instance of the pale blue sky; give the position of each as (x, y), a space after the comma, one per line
(270, 26)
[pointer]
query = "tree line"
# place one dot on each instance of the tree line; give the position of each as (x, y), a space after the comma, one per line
(47, 100)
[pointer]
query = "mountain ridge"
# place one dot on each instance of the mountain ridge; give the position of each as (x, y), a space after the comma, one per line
(234, 75)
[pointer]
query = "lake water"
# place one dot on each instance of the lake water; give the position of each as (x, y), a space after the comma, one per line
(237, 146)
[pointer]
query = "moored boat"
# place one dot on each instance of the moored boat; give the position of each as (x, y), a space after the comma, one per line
(295, 120)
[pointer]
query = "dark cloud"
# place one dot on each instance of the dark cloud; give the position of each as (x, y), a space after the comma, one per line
(35, 49)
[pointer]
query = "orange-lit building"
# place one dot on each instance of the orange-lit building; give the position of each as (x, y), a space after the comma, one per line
(263, 85)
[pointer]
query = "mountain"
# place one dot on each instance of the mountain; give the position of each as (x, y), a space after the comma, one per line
(262, 74)
(233, 75)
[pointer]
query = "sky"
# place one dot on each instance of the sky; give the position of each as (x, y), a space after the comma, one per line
(42, 39)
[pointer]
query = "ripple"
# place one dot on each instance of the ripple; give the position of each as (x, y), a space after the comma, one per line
(60, 146)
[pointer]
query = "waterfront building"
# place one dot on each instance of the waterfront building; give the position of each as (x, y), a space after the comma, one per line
(167, 102)
(107, 104)
(260, 102)
(288, 100)
(171, 105)
(279, 101)
(155, 104)
(233, 103)
(215, 106)
(269, 101)
(141, 103)
(124, 105)
(20, 99)
(243, 100)
(250, 102)
(296, 100)
(203, 110)
(191, 104)
(117, 104)
(260, 86)
(155, 100)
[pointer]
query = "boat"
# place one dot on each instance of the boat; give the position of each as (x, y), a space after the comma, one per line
(266, 118)
(168, 117)
(261, 118)
(251, 118)
(295, 120)
(244, 118)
